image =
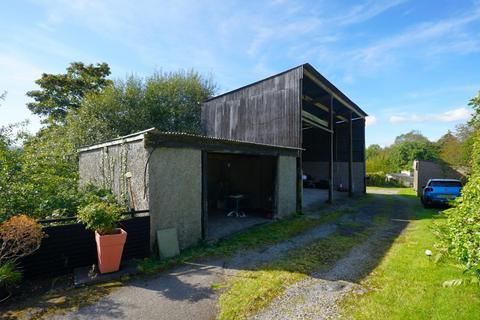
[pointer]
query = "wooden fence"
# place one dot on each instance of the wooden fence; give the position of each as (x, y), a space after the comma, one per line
(69, 246)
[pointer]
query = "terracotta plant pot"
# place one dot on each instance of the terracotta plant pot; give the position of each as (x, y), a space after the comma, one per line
(109, 250)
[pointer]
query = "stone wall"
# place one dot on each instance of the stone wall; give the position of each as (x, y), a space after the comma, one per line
(176, 193)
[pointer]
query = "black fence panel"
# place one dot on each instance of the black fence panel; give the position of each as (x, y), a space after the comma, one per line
(70, 246)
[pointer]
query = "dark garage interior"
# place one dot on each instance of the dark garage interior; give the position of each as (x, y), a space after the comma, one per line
(333, 142)
(246, 180)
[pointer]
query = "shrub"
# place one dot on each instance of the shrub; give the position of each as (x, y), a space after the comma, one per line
(461, 232)
(9, 275)
(19, 237)
(378, 179)
(91, 193)
(100, 215)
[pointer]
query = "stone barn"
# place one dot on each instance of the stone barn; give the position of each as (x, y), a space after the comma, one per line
(266, 151)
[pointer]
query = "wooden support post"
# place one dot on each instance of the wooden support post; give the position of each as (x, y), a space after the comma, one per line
(204, 195)
(299, 197)
(350, 156)
(364, 158)
(330, 160)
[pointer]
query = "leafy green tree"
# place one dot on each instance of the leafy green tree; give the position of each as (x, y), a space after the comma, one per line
(39, 179)
(39, 173)
(10, 165)
(50, 161)
(377, 160)
(412, 136)
(10, 169)
(61, 93)
(372, 151)
(167, 101)
(450, 149)
(403, 153)
(465, 136)
(400, 155)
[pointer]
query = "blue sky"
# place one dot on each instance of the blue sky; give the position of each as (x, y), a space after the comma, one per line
(409, 64)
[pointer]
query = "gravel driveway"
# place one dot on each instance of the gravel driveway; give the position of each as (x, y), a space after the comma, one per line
(317, 296)
(185, 292)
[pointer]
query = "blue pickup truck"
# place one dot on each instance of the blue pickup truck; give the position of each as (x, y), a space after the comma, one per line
(440, 192)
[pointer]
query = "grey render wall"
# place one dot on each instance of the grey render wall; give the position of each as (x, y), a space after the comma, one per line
(265, 112)
(425, 170)
(286, 186)
(107, 166)
(319, 170)
(176, 193)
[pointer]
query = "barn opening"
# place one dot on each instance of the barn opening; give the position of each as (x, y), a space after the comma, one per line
(333, 142)
(317, 142)
(240, 191)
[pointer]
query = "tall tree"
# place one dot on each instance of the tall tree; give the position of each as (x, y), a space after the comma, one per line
(400, 155)
(411, 136)
(166, 101)
(61, 93)
(403, 153)
(450, 149)
(465, 134)
(372, 151)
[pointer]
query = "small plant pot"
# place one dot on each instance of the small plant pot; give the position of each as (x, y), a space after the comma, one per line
(109, 250)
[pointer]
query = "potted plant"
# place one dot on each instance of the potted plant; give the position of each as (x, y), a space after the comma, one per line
(101, 216)
(20, 236)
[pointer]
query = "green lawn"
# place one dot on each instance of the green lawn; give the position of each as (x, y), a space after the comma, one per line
(408, 285)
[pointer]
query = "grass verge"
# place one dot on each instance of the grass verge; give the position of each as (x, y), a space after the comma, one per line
(408, 285)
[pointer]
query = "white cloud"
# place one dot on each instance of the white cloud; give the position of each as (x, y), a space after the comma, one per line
(422, 38)
(370, 121)
(455, 115)
(365, 11)
(448, 116)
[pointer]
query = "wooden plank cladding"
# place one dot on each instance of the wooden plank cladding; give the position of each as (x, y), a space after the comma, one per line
(268, 112)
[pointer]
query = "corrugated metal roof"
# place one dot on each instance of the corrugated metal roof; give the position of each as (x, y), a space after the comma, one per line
(228, 141)
(141, 135)
(128, 138)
